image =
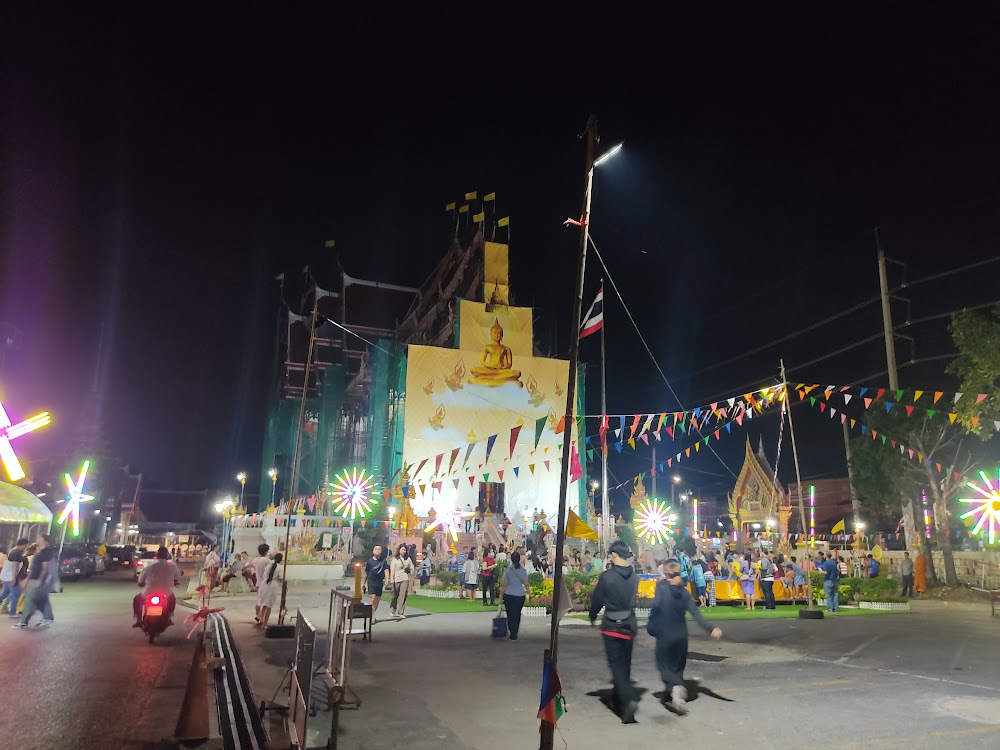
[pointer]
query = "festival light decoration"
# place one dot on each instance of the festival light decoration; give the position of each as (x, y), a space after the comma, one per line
(652, 521)
(451, 520)
(352, 493)
(812, 515)
(694, 518)
(9, 431)
(927, 514)
(76, 496)
(987, 507)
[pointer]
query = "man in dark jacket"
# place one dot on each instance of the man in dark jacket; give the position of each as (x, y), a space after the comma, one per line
(616, 592)
(668, 625)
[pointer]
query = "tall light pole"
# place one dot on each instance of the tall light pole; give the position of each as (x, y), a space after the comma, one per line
(273, 473)
(242, 479)
(547, 730)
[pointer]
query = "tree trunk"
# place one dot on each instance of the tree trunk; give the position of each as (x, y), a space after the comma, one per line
(943, 536)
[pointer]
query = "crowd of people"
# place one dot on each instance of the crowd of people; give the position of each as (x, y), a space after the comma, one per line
(29, 574)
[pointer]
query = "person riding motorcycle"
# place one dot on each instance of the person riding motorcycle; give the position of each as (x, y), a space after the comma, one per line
(159, 577)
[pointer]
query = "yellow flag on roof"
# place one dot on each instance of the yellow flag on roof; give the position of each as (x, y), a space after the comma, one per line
(471, 196)
(490, 197)
(504, 222)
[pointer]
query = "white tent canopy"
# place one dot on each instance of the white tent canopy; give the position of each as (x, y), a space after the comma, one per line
(17, 505)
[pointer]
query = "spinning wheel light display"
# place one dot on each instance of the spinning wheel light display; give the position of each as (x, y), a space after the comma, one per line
(9, 432)
(352, 493)
(452, 520)
(76, 497)
(987, 507)
(652, 521)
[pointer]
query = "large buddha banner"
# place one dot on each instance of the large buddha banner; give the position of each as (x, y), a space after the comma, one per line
(476, 330)
(460, 397)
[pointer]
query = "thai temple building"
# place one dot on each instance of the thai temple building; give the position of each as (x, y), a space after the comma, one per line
(758, 502)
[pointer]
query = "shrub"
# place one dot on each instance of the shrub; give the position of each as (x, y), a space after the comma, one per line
(575, 576)
(535, 580)
(447, 578)
(878, 589)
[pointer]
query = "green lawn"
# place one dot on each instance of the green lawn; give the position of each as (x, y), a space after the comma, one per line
(719, 614)
(446, 606)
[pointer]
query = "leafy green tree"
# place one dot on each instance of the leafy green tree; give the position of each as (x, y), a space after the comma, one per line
(883, 477)
(976, 335)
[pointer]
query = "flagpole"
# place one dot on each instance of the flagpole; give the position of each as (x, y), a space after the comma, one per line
(547, 729)
(811, 614)
(605, 510)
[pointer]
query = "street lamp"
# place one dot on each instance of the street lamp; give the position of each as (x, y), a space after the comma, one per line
(242, 479)
(273, 473)
(225, 507)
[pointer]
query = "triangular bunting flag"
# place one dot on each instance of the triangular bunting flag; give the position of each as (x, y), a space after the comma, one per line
(847, 398)
(688, 453)
(631, 443)
(539, 428)
(833, 412)
(454, 455)
(635, 424)
(931, 413)
(812, 401)
(500, 475)
(843, 418)
(468, 452)
(917, 395)
(888, 406)
(515, 431)
(868, 402)
(957, 397)
(938, 467)
(489, 448)
(472, 481)
(618, 446)
(644, 437)
(909, 411)
(853, 422)
(437, 463)
(546, 465)
(975, 421)
(455, 482)
(952, 417)
(531, 468)
(729, 427)
(899, 395)
(937, 395)
(980, 398)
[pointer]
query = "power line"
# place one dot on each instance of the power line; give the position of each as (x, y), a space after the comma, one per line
(951, 272)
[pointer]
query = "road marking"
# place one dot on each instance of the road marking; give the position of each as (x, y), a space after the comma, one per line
(784, 687)
(857, 650)
(974, 730)
(958, 654)
(838, 663)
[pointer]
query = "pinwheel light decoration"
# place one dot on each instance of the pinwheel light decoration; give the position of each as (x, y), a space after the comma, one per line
(452, 521)
(9, 432)
(352, 493)
(653, 522)
(76, 496)
(986, 510)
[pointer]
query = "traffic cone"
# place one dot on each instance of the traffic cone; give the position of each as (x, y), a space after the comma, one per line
(193, 721)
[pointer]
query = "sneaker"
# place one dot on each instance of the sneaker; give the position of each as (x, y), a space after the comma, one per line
(399, 616)
(628, 714)
(19, 626)
(45, 623)
(392, 612)
(137, 624)
(678, 701)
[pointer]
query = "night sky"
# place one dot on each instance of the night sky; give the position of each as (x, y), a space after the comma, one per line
(158, 171)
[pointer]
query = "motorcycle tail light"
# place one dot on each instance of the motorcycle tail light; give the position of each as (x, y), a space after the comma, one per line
(154, 600)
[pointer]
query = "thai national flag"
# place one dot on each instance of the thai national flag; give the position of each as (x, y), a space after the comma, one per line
(594, 320)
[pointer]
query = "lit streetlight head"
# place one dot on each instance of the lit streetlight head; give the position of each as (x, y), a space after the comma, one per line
(608, 154)
(241, 477)
(272, 473)
(676, 478)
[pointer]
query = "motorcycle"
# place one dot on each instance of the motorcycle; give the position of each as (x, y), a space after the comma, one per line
(155, 619)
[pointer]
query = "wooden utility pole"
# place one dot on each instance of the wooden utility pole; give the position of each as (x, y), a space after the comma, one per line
(547, 730)
(890, 344)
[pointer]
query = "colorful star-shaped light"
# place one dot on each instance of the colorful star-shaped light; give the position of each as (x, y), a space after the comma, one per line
(451, 520)
(652, 521)
(76, 496)
(352, 493)
(986, 512)
(9, 432)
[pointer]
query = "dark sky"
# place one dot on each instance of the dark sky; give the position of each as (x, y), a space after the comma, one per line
(159, 170)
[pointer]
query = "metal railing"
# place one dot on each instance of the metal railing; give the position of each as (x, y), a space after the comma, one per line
(338, 657)
(301, 682)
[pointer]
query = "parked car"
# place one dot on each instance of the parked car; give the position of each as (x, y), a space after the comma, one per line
(74, 563)
(120, 557)
(144, 557)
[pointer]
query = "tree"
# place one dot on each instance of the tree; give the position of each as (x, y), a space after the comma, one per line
(686, 544)
(941, 458)
(976, 335)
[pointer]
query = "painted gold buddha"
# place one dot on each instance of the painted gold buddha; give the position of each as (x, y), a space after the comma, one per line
(495, 363)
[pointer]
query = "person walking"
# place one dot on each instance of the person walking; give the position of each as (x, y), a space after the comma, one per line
(399, 578)
(767, 579)
(615, 593)
(698, 576)
(471, 570)
(212, 564)
(906, 568)
(668, 626)
(831, 580)
(375, 577)
(259, 565)
(270, 587)
(36, 596)
(798, 584)
(513, 593)
(10, 576)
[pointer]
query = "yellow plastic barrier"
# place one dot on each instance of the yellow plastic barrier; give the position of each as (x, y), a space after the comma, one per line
(725, 590)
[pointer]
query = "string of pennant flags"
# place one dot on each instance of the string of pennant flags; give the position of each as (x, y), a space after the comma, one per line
(869, 396)
(876, 435)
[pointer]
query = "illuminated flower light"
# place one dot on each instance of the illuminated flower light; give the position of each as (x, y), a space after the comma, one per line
(652, 521)
(987, 507)
(76, 496)
(9, 432)
(352, 494)
(452, 521)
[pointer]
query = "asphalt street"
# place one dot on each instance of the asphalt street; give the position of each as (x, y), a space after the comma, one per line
(90, 681)
(907, 681)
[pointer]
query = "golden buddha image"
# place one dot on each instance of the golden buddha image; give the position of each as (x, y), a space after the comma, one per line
(429, 387)
(495, 364)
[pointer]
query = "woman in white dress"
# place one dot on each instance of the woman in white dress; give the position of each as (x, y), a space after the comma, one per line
(267, 591)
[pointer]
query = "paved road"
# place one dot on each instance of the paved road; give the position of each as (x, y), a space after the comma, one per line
(923, 680)
(90, 681)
